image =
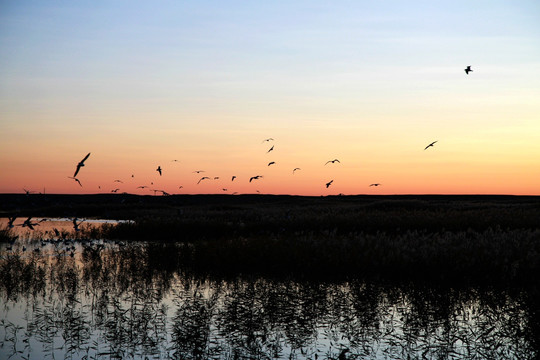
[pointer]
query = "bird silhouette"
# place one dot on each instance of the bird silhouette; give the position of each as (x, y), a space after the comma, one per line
(468, 69)
(142, 187)
(216, 177)
(269, 139)
(118, 181)
(224, 189)
(10, 221)
(375, 184)
(234, 177)
(77, 180)
(175, 160)
(329, 183)
(159, 170)
(80, 165)
(295, 170)
(433, 143)
(203, 178)
(76, 225)
(198, 171)
(333, 161)
(272, 148)
(255, 178)
(115, 190)
(180, 187)
(28, 223)
(271, 163)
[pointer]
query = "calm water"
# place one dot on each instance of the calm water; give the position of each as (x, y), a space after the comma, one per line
(63, 299)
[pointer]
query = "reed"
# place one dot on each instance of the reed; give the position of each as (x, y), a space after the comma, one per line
(7, 235)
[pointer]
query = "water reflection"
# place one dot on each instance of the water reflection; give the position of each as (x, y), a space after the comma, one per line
(114, 301)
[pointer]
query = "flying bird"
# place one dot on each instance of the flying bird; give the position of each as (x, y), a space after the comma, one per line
(234, 177)
(159, 170)
(468, 69)
(198, 171)
(76, 225)
(430, 145)
(329, 183)
(80, 165)
(255, 177)
(216, 177)
(142, 187)
(203, 178)
(333, 161)
(10, 222)
(224, 189)
(77, 180)
(175, 160)
(295, 170)
(269, 139)
(375, 184)
(115, 190)
(180, 187)
(118, 181)
(271, 163)
(28, 223)
(272, 148)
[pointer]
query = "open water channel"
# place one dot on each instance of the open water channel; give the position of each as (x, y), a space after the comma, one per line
(96, 299)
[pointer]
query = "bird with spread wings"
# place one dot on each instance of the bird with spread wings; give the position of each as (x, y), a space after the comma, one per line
(80, 165)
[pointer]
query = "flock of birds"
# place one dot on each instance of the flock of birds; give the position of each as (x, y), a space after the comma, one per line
(31, 224)
(60, 239)
(252, 178)
(255, 177)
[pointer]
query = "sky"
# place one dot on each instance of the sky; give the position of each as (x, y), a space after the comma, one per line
(139, 84)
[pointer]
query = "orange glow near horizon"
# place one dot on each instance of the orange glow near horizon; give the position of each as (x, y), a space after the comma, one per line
(437, 170)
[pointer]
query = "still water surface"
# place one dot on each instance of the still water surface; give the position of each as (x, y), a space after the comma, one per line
(95, 299)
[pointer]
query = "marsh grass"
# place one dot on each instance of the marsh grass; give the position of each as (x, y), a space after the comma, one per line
(489, 257)
(191, 223)
(396, 240)
(451, 240)
(7, 235)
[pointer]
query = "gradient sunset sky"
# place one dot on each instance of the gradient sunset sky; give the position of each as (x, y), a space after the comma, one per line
(371, 83)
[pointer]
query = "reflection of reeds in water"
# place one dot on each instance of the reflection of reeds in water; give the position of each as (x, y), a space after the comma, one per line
(494, 257)
(137, 301)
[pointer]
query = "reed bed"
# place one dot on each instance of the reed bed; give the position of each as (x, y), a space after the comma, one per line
(490, 257)
(194, 223)
(475, 239)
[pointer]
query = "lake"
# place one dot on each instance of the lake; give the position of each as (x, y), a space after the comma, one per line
(102, 299)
